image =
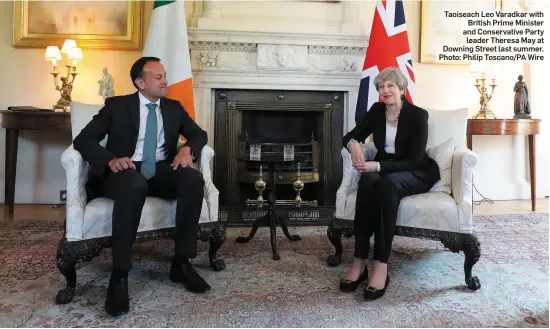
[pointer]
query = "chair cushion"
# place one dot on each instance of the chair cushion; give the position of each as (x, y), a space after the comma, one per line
(81, 115)
(432, 210)
(443, 155)
(157, 214)
(445, 124)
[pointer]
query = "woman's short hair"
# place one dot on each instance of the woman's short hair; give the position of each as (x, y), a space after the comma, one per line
(391, 74)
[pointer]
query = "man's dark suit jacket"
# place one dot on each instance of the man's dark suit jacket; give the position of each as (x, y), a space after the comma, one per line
(119, 119)
(410, 141)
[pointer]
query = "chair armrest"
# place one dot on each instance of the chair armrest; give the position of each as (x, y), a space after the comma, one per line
(211, 193)
(462, 171)
(76, 170)
(350, 177)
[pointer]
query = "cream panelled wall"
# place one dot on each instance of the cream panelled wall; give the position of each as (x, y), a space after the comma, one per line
(316, 17)
(499, 174)
(39, 171)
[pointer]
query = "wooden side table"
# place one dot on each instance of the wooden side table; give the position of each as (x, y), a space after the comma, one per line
(270, 218)
(527, 127)
(13, 121)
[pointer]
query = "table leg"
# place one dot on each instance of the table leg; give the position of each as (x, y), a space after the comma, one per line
(264, 220)
(469, 141)
(273, 234)
(270, 219)
(12, 139)
(284, 226)
(533, 170)
(271, 212)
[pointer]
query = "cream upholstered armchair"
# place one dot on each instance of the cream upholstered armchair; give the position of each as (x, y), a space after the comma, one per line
(444, 213)
(88, 223)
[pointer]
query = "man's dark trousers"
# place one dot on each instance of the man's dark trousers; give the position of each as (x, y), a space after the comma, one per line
(129, 188)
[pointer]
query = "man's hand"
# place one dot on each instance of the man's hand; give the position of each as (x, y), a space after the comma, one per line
(120, 164)
(369, 166)
(183, 158)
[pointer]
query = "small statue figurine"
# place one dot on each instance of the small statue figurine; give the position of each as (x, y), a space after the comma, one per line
(65, 90)
(521, 100)
(106, 85)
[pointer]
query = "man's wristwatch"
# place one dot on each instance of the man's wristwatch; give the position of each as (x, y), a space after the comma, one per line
(378, 167)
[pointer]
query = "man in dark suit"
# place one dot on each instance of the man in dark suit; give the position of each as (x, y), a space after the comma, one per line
(141, 159)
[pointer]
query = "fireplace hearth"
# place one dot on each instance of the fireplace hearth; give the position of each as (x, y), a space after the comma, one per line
(308, 123)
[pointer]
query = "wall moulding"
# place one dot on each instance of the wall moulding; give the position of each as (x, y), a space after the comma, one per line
(273, 61)
(277, 38)
(257, 51)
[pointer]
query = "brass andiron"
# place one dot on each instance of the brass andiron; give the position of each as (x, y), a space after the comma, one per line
(298, 186)
(484, 99)
(260, 186)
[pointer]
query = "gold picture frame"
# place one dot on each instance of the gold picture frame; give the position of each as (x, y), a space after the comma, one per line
(428, 38)
(38, 24)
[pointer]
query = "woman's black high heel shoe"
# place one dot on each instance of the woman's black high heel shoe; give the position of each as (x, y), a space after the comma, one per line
(350, 285)
(372, 293)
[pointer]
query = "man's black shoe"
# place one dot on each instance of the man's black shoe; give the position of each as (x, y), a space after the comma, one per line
(187, 275)
(117, 302)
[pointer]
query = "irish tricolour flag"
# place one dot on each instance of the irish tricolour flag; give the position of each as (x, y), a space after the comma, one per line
(167, 40)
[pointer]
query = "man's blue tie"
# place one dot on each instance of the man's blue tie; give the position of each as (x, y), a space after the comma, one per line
(149, 160)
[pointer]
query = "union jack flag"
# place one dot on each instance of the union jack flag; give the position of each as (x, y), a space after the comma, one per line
(388, 47)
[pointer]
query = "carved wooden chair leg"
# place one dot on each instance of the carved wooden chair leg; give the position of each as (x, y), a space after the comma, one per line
(468, 243)
(335, 237)
(217, 239)
(472, 253)
(68, 255)
(215, 234)
(66, 263)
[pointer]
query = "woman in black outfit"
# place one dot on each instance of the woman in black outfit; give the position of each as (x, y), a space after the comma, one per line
(401, 168)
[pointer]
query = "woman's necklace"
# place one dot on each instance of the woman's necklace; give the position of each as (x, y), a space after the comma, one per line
(392, 122)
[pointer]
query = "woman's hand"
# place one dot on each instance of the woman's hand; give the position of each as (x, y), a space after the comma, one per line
(369, 166)
(356, 152)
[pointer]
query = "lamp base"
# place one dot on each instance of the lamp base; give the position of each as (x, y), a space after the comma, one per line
(63, 108)
(484, 115)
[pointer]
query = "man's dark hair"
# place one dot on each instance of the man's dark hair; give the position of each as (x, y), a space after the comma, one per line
(137, 69)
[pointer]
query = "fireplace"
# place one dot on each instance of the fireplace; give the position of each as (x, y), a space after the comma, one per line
(309, 122)
(309, 71)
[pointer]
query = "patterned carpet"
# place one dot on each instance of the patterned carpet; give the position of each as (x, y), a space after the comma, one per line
(427, 286)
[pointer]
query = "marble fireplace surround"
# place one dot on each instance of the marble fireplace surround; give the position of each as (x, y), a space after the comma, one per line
(273, 61)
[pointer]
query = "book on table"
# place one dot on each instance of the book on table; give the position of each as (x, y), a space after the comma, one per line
(27, 108)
